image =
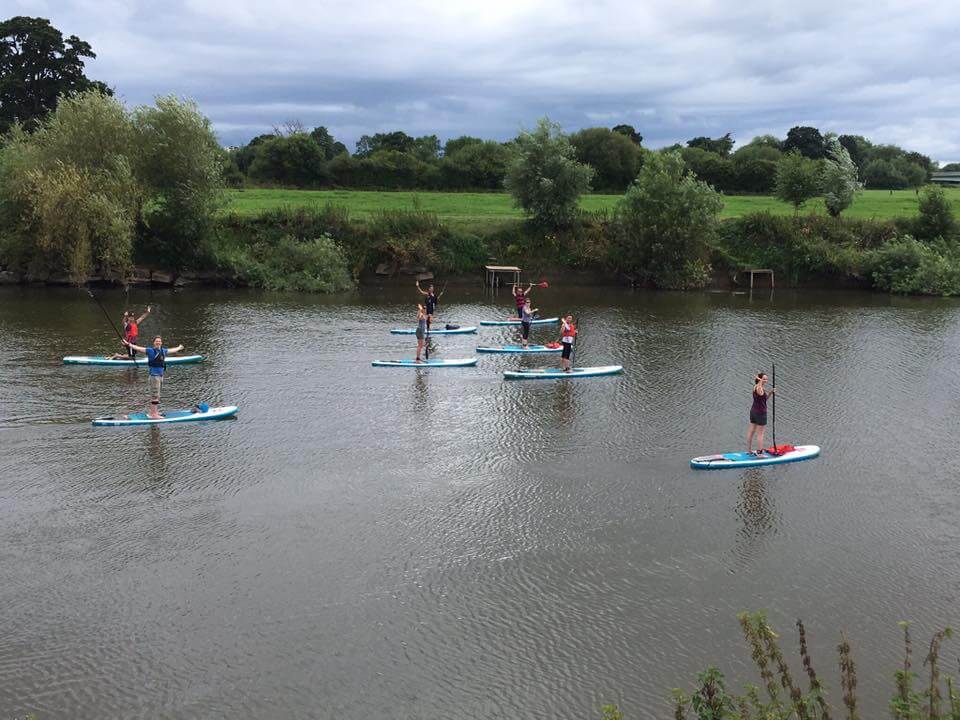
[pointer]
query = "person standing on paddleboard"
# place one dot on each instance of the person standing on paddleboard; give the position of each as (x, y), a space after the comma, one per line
(422, 329)
(156, 361)
(758, 412)
(521, 297)
(430, 302)
(568, 335)
(526, 319)
(131, 330)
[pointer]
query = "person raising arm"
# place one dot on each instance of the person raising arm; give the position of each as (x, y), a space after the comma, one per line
(156, 355)
(520, 297)
(430, 302)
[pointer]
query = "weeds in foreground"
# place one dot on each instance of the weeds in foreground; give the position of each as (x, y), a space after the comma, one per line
(783, 699)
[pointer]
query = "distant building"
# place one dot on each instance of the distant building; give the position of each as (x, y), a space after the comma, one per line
(948, 178)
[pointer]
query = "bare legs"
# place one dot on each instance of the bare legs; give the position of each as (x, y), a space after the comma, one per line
(755, 431)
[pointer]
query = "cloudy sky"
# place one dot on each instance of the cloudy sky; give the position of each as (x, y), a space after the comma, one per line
(881, 68)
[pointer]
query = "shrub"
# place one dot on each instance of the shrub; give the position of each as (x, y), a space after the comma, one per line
(317, 265)
(797, 179)
(935, 218)
(906, 265)
(664, 225)
(545, 178)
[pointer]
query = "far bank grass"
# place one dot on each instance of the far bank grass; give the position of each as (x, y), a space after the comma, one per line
(478, 209)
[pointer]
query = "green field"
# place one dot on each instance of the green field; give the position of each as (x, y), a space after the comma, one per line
(476, 209)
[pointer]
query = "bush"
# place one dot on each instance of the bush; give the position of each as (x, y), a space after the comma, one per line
(906, 265)
(545, 179)
(664, 225)
(936, 216)
(797, 180)
(317, 265)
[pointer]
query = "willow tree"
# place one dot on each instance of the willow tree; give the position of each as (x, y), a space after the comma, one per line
(68, 194)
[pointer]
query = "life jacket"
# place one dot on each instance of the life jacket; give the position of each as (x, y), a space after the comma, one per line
(568, 332)
(157, 359)
(130, 331)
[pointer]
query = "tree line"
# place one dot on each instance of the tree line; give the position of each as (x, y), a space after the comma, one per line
(294, 157)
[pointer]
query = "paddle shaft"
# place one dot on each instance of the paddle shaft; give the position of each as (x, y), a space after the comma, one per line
(774, 423)
(576, 341)
(105, 314)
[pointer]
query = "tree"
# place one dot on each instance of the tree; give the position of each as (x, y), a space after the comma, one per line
(806, 140)
(755, 166)
(37, 66)
(328, 145)
(857, 147)
(768, 141)
(797, 179)
(427, 148)
(69, 199)
(721, 146)
(453, 146)
(629, 131)
(935, 218)
(180, 165)
(951, 167)
(665, 223)
(480, 165)
(396, 140)
(545, 179)
(838, 178)
(292, 160)
(712, 168)
(614, 158)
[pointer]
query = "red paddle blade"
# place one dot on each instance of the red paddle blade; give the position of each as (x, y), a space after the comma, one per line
(543, 284)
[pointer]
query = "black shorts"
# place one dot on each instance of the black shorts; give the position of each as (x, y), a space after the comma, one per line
(524, 330)
(758, 418)
(567, 349)
(131, 353)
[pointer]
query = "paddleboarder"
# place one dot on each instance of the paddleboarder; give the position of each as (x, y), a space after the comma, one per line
(520, 297)
(422, 329)
(758, 412)
(526, 319)
(568, 335)
(156, 355)
(131, 330)
(430, 301)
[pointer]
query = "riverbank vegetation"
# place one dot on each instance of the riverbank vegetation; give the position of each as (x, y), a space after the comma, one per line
(89, 189)
(783, 695)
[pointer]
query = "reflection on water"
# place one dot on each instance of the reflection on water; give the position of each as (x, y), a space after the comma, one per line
(367, 542)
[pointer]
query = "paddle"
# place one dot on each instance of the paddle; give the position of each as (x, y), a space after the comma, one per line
(105, 314)
(774, 422)
(576, 341)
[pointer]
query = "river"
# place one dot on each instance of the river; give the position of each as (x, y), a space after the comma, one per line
(367, 542)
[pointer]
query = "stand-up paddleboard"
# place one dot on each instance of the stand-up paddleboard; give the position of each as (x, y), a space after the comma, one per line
(173, 416)
(520, 349)
(726, 461)
(464, 362)
(557, 373)
(141, 360)
(516, 323)
(440, 331)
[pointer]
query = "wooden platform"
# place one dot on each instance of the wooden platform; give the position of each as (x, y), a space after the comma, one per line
(495, 271)
(760, 271)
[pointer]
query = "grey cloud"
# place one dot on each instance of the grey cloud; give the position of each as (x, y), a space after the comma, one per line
(672, 70)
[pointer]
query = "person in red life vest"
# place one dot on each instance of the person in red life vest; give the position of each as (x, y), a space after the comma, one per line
(422, 330)
(156, 360)
(568, 335)
(758, 412)
(430, 301)
(131, 330)
(520, 297)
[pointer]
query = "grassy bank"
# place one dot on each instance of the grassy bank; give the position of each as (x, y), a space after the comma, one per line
(478, 209)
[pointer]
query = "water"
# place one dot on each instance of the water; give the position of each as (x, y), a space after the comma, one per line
(383, 543)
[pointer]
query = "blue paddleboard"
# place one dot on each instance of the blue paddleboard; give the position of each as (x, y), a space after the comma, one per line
(519, 349)
(726, 461)
(439, 331)
(557, 373)
(465, 362)
(173, 416)
(141, 360)
(516, 323)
